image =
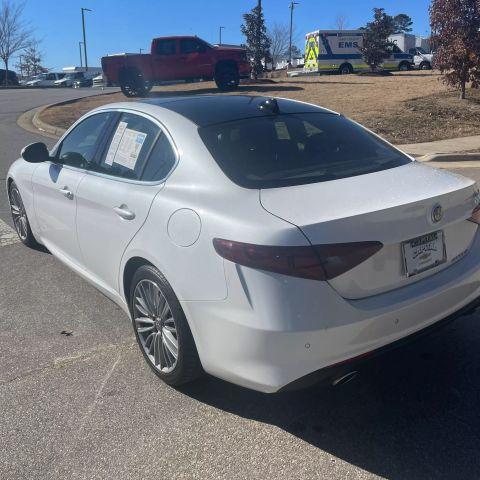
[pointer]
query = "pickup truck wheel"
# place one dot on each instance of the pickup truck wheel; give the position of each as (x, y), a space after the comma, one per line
(133, 85)
(425, 66)
(404, 66)
(227, 78)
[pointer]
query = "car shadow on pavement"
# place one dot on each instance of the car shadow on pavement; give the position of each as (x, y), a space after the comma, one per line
(241, 89)
(413, 414)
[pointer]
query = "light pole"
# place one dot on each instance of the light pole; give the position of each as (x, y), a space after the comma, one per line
(220, 34)
(80, 51)
(84, 38)
(292, 6)
(141, 50)
(21, 66)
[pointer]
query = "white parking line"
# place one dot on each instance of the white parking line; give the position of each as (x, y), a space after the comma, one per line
(8, 236)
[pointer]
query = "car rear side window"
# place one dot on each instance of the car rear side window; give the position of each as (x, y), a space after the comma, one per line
(293, 149)
(160, 161)
(166, 47)
(129, 146)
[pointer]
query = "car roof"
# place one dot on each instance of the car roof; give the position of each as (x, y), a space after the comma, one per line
(206, 110)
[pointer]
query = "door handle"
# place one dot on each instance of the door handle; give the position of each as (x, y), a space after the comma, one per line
(66, 193)
(124, 212)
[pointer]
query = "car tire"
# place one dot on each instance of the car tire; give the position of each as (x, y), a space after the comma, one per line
(227, 78)
(425, 66)
(404, 67)
(20, 218)
(161, 328)
(345, 69)
(133, 85)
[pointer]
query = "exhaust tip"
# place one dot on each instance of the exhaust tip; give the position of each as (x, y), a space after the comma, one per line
(344, 378)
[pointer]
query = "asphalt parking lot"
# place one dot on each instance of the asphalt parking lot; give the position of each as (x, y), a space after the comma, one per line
(79, 402)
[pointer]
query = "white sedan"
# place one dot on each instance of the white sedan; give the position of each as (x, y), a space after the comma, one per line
(267, 242)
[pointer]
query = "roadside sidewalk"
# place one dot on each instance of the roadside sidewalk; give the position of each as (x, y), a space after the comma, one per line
(451, 145)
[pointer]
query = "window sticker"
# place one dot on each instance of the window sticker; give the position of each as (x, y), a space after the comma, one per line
(129, 148)
(115, 143)
(125, 146)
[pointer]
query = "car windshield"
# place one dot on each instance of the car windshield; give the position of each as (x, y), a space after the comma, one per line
(421, 50)
(294, 149)
(74, 75)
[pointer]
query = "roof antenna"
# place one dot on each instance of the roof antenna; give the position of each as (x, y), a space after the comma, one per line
(270, 105)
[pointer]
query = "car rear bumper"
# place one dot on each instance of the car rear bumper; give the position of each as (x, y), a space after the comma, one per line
(352, 365)
(273, 330)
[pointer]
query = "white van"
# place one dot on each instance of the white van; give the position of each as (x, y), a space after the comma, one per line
(45, 79)
(339, 51)
(77, 73)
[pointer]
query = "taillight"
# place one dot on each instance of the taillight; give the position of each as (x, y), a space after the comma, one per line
(317, 262)
(475, 217)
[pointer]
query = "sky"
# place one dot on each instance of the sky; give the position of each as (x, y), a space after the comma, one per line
(116, 26)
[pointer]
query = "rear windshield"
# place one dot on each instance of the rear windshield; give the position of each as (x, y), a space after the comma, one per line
(295, 149)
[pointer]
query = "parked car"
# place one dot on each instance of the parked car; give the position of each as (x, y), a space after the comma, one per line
(83, 82)
(100, 81)
(45, 79)
(77, 73)
(176, 58)
(11, 78)
(268, 242)
(421, 59)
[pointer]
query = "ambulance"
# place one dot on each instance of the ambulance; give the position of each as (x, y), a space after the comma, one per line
(339, 51)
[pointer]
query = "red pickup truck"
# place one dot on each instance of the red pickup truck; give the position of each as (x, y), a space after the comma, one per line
(176, 58)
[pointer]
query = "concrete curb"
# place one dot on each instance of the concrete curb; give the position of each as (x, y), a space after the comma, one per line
(31, 121)
(46, 127)
(450, 157)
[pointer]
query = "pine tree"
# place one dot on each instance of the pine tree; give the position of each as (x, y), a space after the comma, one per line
(257, 41)
(375, 38)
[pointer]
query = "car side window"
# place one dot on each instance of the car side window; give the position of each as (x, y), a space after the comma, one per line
(160, 161)
(190, 45)
(128, 148)
(166, 47)
(79, 146)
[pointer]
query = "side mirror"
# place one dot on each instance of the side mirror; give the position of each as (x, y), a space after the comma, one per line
(35, 153)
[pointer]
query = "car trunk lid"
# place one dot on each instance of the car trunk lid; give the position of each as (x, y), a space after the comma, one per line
(392, 207)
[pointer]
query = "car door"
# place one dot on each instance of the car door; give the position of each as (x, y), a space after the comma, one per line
(55, 186)
(114, 201)
(165, 58)
(194, 60)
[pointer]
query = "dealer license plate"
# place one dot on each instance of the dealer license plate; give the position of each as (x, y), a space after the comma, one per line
(423, 253)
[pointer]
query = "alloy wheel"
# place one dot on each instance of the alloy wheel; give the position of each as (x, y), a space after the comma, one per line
(155, 326)
(19, 215)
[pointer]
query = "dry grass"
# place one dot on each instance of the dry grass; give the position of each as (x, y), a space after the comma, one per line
(406, 107)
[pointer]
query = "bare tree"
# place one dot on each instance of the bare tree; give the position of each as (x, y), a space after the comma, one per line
(32, 59)
(14, 33)
(341, 21)
(279, 42)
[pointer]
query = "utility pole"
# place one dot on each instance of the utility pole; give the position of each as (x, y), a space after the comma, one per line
(84, 38)
(220, 34)
(141, 50)
(21, 66)
(80, 51)
(292, 6)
